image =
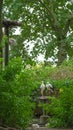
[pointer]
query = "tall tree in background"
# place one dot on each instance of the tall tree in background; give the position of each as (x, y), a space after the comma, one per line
(47, 24)
(61, 28)
(1, 5)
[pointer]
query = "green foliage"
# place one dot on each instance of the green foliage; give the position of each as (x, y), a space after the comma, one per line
(66, 100)
(15, 110)
(4, 40)
(12, 69)
(68, 63)
(43, 23)
(61, 107)
(19, 85)
(16, 91)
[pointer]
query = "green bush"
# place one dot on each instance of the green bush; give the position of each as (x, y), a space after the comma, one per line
(19, 86)
(61, 107)
(16, 89)
(67, 103)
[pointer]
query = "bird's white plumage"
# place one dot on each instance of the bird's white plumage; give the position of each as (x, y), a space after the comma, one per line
(49, 86)
(42, 87)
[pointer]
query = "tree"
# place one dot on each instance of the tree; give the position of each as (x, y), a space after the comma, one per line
(60, 29)
(47, 23)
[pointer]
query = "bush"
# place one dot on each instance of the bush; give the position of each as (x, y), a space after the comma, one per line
(61, 107)
(19, 86)
(16, 89)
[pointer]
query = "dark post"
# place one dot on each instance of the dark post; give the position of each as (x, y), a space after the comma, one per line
(7, 46)
(7, 24)
(1, 6)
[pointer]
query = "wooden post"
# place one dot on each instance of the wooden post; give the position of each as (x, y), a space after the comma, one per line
(1, 6)
(7, 46)
(7, 24)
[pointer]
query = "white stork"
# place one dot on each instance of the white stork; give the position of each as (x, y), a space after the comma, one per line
(49, 87)
(42, 87)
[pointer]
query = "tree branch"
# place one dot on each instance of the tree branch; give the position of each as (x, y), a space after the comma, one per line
(46, 9)
(52, 18)
(67, 25)
(11, 23)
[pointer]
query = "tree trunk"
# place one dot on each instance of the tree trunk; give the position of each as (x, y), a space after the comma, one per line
(1, 5)
(62, 54)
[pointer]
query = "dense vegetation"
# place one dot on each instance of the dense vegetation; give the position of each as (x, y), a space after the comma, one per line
(18, 84)
(45, 28)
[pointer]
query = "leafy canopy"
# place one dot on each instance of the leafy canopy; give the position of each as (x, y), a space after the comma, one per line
(43, 22)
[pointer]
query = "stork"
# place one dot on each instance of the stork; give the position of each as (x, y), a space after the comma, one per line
(49, 87)
(42, 87)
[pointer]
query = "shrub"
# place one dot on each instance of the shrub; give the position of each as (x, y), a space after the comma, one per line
(61, 107)
(19, 86)
(16, 88)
